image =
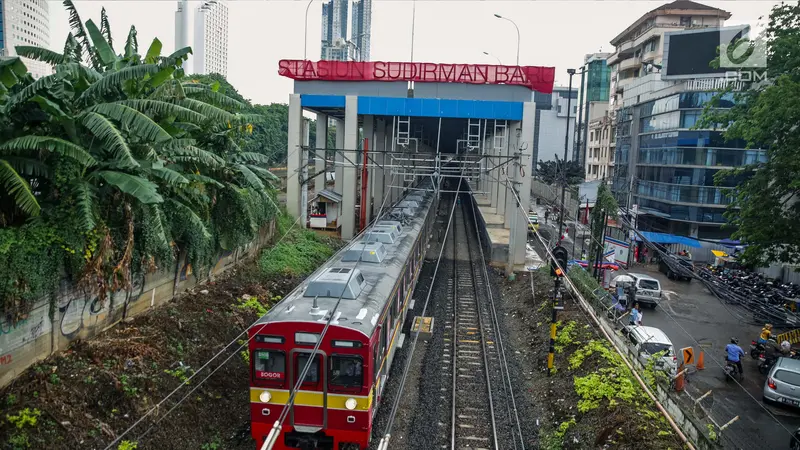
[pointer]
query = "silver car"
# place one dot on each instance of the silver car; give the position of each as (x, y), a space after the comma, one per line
(783, 382)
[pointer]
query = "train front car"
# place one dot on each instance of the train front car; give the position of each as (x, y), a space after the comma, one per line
(332, 409)
(374, 277)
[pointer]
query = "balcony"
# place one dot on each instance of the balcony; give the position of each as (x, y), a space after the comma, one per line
(630, 63)
(674, 193)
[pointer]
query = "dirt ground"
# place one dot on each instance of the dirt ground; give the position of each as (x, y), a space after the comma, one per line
(616, 412)
(88, 395)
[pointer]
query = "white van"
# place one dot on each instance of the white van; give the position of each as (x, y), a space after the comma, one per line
(647, 341)
(648, 290)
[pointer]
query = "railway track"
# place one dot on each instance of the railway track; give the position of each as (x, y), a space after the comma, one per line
(473, 350)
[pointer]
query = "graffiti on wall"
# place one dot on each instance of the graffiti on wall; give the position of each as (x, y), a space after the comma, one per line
(15, 334)
(77, 311)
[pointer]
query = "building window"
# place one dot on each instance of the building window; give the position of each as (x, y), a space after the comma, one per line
(686, 21)
(558, 110)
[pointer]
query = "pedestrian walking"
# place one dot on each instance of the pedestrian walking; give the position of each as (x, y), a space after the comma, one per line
(634, 316)
(639, 317)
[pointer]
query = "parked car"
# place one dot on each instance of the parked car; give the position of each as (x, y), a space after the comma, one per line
(783, 383)
(648, 290)
(647, 341)
(676, 267)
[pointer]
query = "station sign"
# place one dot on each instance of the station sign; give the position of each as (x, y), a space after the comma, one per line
(536, 78)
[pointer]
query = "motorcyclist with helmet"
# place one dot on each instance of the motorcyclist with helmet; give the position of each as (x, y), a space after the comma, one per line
(773, 351)
(734, 354)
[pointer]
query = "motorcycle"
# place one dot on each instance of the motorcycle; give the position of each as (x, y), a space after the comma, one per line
(765, 364)
(756, 349)
(732, 371)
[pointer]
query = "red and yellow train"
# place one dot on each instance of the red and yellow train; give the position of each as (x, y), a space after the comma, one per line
(340, 394)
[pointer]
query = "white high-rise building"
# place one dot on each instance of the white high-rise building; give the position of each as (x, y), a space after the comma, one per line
(211, 38)
(182, 21)
(25, 22)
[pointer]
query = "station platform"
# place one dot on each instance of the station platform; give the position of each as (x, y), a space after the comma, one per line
(492, 232)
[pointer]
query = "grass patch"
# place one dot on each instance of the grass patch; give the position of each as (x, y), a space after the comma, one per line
(299, 252)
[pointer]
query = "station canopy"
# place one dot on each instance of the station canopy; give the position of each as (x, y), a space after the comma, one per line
(665, 239)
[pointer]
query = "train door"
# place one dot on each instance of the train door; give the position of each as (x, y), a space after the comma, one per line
(309, 411)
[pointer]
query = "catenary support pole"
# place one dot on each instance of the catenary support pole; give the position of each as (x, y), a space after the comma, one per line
(364, 184)
(561, 209)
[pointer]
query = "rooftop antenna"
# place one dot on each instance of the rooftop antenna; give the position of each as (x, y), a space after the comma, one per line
(314, 306)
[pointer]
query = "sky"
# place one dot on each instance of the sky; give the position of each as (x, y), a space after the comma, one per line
(262, 32)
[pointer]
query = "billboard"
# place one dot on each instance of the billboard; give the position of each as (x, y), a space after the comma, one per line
(688, 53)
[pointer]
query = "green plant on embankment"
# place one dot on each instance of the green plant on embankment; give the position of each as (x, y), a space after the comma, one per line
(299, 252)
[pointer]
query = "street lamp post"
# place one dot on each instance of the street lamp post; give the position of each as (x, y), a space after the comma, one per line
(495, 57)
(515, 26)
(305, 31)
(571, 72)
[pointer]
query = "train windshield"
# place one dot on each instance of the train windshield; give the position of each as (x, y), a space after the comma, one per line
(346, 371)
(312, 376)
(270, 365)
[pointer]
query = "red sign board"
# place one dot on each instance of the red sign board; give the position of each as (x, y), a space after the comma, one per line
(533, 77)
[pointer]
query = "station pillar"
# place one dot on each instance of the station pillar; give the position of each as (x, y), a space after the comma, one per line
(512, 170)
(502, 173)
(294, 155)
(349, 176)
(320, 163)
(369, 136)
(338, 159)
(523, 179)
(303, 178)
(377, 173)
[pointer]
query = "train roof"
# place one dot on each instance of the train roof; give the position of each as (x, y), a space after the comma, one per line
(363, 273)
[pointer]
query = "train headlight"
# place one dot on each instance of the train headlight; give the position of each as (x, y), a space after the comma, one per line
(351, 404)
(265, 397)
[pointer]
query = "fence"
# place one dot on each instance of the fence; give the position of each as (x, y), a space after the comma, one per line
(550, 195)
(78, 315)
(609, 313)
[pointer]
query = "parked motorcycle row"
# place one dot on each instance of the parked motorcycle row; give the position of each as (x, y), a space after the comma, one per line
(769, 300)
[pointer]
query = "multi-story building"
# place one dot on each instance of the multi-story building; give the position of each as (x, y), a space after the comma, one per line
(182, 21)
(663, 164)
(593, 100)
(601, 145)
(211, 38)
(334, 31)
(25, 22)
(641, 45)
(362, 25)
(552, 122)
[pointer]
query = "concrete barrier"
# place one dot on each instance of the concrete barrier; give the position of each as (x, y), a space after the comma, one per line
(51, 326)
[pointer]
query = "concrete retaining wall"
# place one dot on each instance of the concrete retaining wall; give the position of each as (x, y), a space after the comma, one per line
(78, 315)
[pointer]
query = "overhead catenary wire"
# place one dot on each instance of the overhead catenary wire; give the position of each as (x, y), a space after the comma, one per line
(207, 363)
(716, 361)
(650, 244)
(384, 442)
(499, 337)
(272, 437)
(608, 337)
(185, 382)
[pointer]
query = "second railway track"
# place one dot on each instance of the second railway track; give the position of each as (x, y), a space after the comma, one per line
(473, 423)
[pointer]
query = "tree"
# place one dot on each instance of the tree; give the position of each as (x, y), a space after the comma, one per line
(113, 161)
(549, 171)
(604, 207)
(764, 208)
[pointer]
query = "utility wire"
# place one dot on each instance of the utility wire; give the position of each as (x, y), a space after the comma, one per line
(587, 307)
(185, 382)
(384, 443)
(650, 244)
(272, 437)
